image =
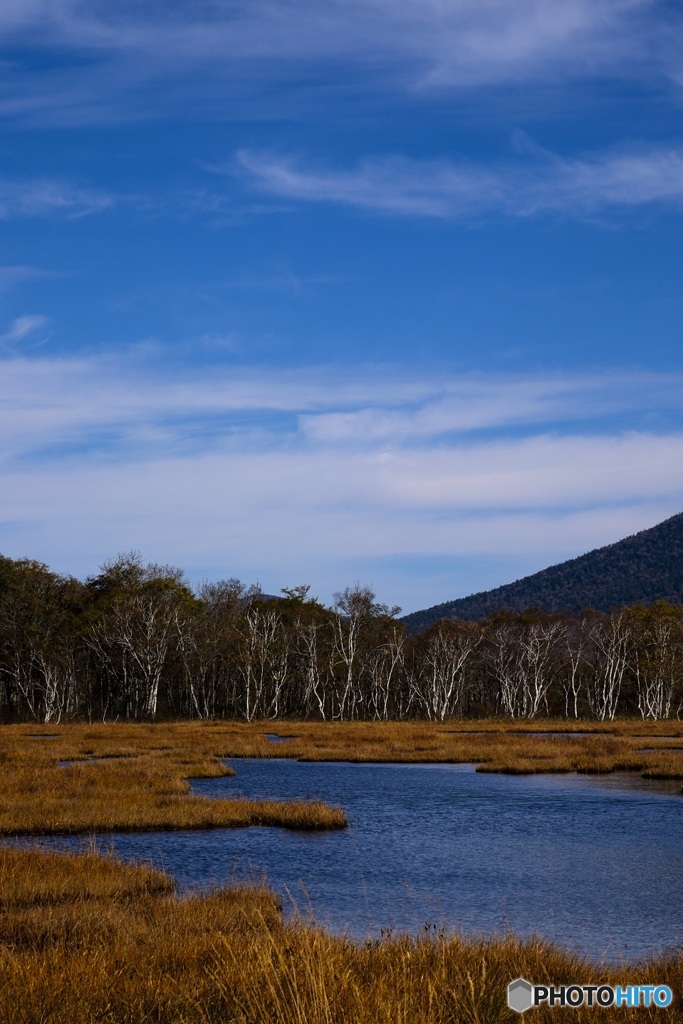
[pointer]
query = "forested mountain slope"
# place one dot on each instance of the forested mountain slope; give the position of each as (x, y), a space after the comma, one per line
(640, 569)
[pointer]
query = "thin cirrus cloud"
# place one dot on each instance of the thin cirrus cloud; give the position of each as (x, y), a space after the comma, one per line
(394, 185)
(42, 197)
(23, 327)
(462, 41)
(418, 45)
(537, 475)
(273, 516)
(13, 275)
(131, 404)
(253, 471)
(446, 189)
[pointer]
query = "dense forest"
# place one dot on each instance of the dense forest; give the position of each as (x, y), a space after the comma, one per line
(641, 569)
(136, 642)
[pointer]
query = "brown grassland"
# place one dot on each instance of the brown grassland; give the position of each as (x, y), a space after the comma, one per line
(134, 776)
(128, 777)
(85, 938)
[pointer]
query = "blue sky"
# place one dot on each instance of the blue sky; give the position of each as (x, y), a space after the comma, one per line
(376, 290)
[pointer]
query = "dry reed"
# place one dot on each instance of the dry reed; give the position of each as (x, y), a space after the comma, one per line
(84, 939)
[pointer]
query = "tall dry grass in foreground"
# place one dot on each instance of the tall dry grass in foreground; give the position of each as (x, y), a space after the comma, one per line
(85, 939)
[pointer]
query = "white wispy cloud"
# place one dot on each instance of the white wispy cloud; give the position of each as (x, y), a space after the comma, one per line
(44, 197)
(612, 179)
(447, 189)
(390, 184)
(10, 276)
(322, 472)
(22, 327)
(108, 399)
(462, 40)
(289, 518)
(409, 44)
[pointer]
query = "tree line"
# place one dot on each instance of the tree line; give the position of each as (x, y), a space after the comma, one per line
(136, 641)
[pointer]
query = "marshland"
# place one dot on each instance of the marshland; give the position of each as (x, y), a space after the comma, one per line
(204, 733)
(79, 778)
(88, 937)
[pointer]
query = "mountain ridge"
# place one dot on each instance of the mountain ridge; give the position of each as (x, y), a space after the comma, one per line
(640, 569)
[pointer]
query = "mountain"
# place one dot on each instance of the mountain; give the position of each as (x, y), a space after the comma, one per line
(640, 569)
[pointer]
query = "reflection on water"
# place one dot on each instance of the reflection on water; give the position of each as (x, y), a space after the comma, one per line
(595, 862)
(576, 735)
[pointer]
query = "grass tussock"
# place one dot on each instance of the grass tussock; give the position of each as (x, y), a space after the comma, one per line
(104, 942)
(31, 877)
(127, 777)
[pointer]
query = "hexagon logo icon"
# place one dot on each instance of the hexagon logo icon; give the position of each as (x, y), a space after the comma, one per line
(520, 995)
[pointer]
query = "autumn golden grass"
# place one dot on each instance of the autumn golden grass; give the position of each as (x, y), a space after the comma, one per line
(123, 777)
(494, 745)
(85, 939)
(132, 776)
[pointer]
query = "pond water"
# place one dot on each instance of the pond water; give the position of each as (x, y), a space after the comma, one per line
(595, 863)
(576, 735)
